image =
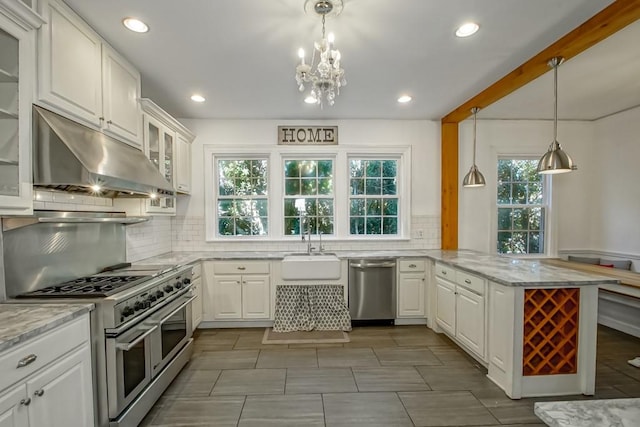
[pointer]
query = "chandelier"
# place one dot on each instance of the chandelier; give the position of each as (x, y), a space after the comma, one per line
(325, 78)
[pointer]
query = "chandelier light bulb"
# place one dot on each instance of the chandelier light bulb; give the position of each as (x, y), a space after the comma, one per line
(331, 37)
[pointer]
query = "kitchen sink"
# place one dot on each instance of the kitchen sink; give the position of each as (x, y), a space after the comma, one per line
(311, 266)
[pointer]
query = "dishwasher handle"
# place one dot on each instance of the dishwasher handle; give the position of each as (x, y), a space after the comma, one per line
(387, 264)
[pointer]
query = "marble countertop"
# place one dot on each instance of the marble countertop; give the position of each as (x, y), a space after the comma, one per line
(20, 322)
(590, 413)
(515, 272)
(501, 269)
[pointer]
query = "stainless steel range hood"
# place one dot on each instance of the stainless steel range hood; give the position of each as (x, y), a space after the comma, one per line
(68, 156)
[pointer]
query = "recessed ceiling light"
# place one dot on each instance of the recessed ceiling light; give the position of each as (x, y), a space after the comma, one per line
(467, 29)
(135, 25)
(404, 99)
(197, 98)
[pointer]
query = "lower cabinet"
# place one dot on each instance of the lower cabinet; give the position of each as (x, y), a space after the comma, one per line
(411, 288)
(57, 394)
(460, 308)
(197, 305)
(237, 290)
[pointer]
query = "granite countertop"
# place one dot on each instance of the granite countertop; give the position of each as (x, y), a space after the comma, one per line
(515, 272)
(590, 413)
(20, 322)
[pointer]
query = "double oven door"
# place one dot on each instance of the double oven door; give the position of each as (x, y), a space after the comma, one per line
(139, 354)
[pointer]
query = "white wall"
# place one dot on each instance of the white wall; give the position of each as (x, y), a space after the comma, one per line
(422, 136)
(572, 198)
(616, 219)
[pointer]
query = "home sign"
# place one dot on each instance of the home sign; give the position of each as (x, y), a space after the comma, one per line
(307, 135)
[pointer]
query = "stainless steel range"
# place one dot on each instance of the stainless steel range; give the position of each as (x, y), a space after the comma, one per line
(141, 328)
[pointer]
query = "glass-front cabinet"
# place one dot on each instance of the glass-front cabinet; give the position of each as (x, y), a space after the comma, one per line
(160, 148)
(17, 65)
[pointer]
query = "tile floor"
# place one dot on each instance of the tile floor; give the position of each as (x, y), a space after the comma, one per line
(386, 376)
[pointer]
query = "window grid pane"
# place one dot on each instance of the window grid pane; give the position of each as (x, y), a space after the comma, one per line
(242, 203)
(373, 202)
(308, 183)
(521, 212)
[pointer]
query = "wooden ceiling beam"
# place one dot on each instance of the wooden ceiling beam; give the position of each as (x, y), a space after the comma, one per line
(608, 21)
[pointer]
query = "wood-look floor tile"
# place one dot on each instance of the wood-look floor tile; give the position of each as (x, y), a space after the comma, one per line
(451, 355)
(216, 411)
(288, 358)
(503, 408)
(396, 378)
(364, 409)
(455, 378)
(446, 408)
(290, 410)
(193, 382)
(250, 381)
(346, 357)
(254, 342)
(231, 359)
(406, 356)
(370, 341)
(319, 380)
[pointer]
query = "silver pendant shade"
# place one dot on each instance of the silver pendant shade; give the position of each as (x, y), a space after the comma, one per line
(474, 178)
(555, 160)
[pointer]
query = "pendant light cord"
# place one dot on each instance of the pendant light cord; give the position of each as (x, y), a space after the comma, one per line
(474, 137)
(555, 102)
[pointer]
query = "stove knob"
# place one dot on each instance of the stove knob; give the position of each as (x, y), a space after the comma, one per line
(168, 288)
(186, 281)
(178, 284)
(138, 306)
(127, 311)
(147, 304)
(159, 294)
(152, 298)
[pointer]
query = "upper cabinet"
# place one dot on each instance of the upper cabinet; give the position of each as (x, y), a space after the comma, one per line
(81, 76)
(17, 64)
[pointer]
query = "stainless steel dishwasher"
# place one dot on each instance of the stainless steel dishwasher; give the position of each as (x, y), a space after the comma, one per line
(372, 290)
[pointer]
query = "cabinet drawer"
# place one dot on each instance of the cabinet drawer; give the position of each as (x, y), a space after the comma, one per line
(410, 265)
(471, 282)
(241, 267)
(46, 349)
(197, 270)
(445, 272)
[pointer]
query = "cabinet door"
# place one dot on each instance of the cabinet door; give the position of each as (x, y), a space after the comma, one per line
(13, 411)
(226, 293)
(62, 394)
(196, 306)
(446, 305)
(70, 75)
(17, 63)
(183, 164)
(256, 297)
(159, 148)
(470, 320)
(411, 295)
(120, 98)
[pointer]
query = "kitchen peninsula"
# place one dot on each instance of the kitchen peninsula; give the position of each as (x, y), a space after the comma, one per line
(540, 321)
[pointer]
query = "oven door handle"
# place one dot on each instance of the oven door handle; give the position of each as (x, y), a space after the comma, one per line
(126, 346)
(183, 305)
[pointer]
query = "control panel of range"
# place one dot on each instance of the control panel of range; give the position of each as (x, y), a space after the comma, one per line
(150, 297)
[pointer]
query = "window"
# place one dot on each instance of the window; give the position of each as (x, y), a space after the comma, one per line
(521, 207)
(373, 200)
(242, 203)
(308, 197)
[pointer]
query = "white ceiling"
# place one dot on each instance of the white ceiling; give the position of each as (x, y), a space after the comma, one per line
(241, 54)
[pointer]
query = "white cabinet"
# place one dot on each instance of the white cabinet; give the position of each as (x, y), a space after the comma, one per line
(460, 307)
(196, 306)
(237, 290)
(411, 288)
(17, 75)
(47, 381)
(183, 163)
(81, 76)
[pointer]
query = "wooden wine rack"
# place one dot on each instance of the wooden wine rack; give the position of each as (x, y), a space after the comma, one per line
(550, 340)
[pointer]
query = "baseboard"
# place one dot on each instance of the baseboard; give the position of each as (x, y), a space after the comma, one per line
(214, 324)
(619, 326)
(411, 321)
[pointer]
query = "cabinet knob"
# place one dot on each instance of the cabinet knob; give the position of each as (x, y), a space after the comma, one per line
(412, 266)
(26, 402)
(101, 119)
(27, 360)
(109, 122)
(467, 281)
(444, 272)
(39, 393)
(242, 268)
(238, 282)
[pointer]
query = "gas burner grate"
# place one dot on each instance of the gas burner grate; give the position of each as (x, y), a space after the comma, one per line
(92, 286)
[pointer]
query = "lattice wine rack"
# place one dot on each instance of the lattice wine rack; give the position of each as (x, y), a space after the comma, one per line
(550, 342)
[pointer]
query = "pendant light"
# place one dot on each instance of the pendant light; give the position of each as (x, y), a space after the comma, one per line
(474, 178)
(555, 160)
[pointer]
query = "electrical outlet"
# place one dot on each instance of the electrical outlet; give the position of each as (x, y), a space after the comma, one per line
(418, 234)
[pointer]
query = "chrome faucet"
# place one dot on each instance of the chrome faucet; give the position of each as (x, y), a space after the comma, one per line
(309, 247)
(321, 248)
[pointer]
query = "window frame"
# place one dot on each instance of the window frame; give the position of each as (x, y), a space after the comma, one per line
(276, 155)
(546, 204)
